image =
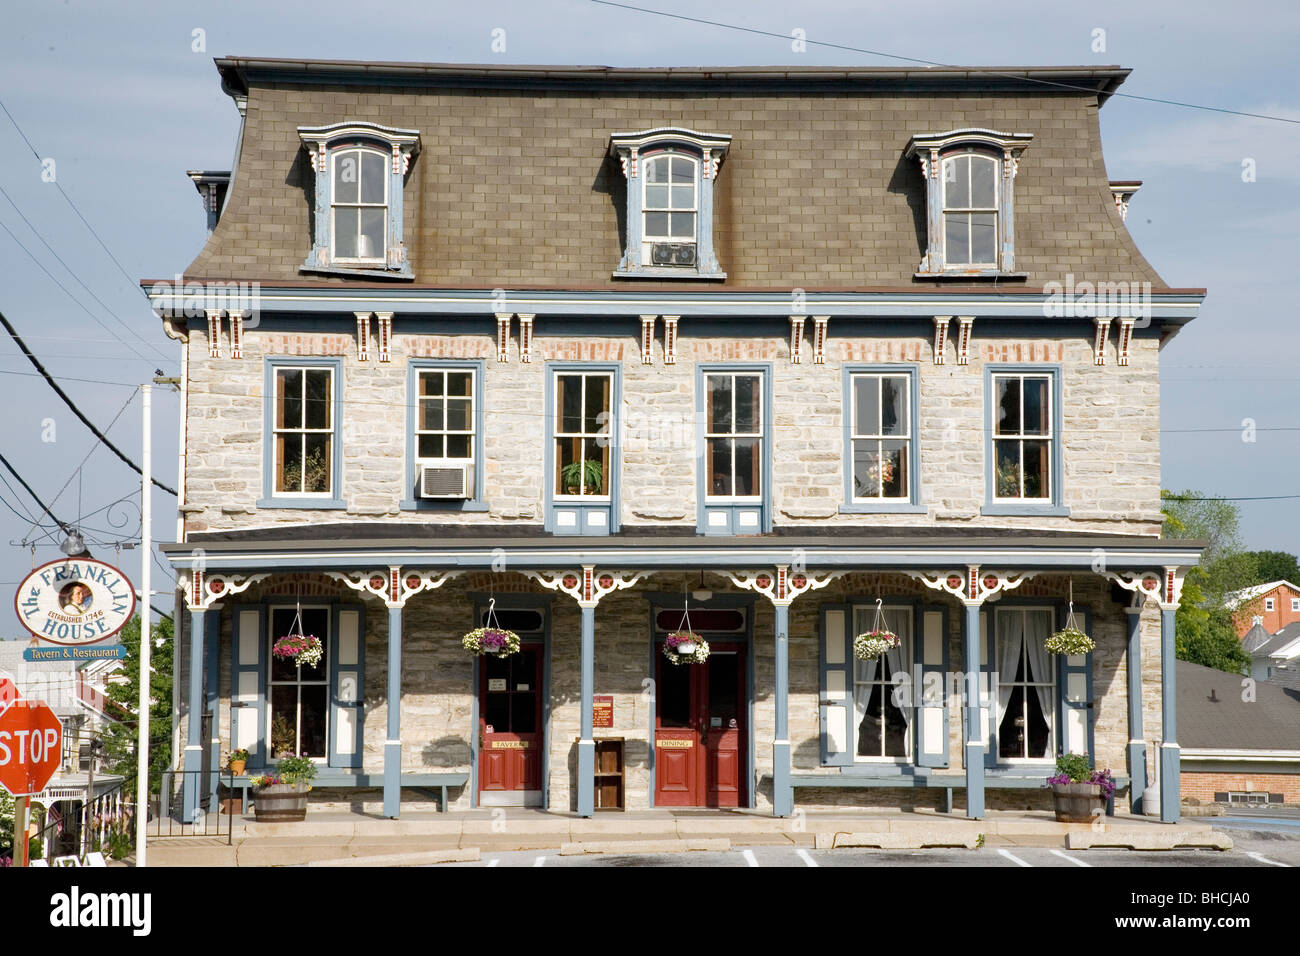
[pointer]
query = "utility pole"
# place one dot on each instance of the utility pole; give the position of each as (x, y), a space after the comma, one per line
(146, 629)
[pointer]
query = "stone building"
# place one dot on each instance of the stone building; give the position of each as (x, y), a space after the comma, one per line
(603, 355)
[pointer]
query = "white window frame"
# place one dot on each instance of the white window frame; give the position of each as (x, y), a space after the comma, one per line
(757, 435)
(304, 431)
(326, 661)
(878, 438)
(948, 161)
(649, 239)
(1295, 605)
(335, 204)
(444, 371)
(861, 620)
(603, 433)
(1050, 438)
(1054, 701)
(1268, 604)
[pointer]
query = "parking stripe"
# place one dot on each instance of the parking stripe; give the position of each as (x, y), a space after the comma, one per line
(540, 861)
(803, 855)
(1074, 860)
(494, 861)
(749, 858)
(1014, 859)
(1263, 859)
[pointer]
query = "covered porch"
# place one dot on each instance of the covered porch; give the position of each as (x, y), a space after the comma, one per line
(965, 578)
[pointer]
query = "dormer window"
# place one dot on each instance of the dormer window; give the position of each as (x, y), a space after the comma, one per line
(670, 174)
(968, 177)
(360, 168)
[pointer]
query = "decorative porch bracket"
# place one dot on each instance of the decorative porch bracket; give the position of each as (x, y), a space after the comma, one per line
(973, 587)
(587, 587)
(1166, 590)
(202, 591)
(781, 587)
(394, 587)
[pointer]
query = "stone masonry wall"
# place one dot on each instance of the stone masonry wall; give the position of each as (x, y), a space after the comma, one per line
(1110, 430)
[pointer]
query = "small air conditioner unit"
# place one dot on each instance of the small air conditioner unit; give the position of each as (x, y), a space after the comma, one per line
(672, 254)
(447, 481)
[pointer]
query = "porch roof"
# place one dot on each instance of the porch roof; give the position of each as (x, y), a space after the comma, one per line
(368, 545)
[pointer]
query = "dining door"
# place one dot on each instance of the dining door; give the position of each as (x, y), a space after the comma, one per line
(700, 730)
(510, 729)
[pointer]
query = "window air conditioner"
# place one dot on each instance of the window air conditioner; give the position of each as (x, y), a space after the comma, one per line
(447, 481)
(672, 254)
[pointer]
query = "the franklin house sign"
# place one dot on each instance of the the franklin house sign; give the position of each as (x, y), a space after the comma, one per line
(72, 606)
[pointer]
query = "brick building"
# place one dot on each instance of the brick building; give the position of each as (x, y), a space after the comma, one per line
(582, 351)
(1273, 605)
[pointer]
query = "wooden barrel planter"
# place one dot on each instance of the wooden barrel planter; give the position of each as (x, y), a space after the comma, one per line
(1077, 802)
(281, 803)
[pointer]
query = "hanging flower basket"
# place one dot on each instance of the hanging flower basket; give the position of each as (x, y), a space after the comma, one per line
(686, 647)
(1069, 642)
(304, 650)
(494, 641)
(871, 644)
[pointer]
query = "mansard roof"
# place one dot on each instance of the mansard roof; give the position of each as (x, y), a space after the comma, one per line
(515, 184)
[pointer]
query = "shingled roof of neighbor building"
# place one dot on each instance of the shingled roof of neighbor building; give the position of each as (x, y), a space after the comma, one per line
(1213, 716)
(514, 182)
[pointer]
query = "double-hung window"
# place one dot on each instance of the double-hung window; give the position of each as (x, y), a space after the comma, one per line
(445, 436)
(359, 170)
(303, 457)
(880, 439)
(582, 453)
(969, 175)
(735, 435)
(670, 198)
(1024, 441)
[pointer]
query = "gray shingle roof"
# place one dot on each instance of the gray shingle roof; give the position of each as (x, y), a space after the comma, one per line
(1275, 642)
(1212, 714)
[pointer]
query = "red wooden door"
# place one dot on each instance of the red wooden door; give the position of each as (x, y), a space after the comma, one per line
(510, 727)
(700, 731)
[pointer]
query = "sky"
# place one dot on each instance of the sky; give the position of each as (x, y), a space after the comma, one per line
(116, 101)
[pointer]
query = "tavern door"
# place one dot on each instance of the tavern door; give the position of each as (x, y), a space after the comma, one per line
(510, 729)
(700, 732)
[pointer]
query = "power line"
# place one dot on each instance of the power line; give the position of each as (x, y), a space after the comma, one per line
(131, 282)
(89, 291)
(72, 405)
(1229, 498)
(44, 507)
(911, 59)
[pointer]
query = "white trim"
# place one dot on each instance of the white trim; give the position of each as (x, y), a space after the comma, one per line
(1254, 756)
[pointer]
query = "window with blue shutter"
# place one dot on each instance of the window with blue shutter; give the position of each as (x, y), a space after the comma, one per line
(931, 697)
(836, 686)
(248, 682)
(347, 682)
(1074, 683)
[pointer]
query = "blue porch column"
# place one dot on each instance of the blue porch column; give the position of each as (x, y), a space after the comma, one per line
(782, 792)
(974, 751)
(191, 785)
(1137, 747)
(393, 745)
(586, 740)
(1169, 753)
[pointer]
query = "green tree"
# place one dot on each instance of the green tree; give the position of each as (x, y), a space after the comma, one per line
(121, 738)
(1275, 566)
(1204, 630)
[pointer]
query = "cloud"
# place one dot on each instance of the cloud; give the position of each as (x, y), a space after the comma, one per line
(1213, 142)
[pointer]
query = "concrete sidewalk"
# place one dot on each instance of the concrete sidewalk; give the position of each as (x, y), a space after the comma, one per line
(343, 837)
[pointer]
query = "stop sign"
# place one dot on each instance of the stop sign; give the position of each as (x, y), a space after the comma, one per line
(30, 747)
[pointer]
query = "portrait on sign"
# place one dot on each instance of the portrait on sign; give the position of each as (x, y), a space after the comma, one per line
(74, 602)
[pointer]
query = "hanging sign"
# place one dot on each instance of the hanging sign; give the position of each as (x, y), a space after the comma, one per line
(74, 603)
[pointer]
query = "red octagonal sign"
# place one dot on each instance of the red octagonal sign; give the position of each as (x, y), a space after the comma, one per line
(30, 747)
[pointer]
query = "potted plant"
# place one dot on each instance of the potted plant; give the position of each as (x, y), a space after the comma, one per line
(686, 647)
(871, 644)
(588, 474)
(304, 650)
(238, 761)
(1079, 793)
(282, 796)
(494, 641)
(1069, 641)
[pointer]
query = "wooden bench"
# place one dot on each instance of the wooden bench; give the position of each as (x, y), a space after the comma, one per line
(333, 778)
(948, 782)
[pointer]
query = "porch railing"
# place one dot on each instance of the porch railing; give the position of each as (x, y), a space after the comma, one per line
(216, 802)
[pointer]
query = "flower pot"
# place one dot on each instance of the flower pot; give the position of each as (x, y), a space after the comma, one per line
(237, 767)
(686, 650)
(281, 802)
(1077, 802)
